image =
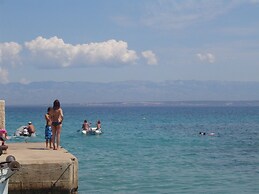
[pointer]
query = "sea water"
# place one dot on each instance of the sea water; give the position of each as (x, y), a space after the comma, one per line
(157, 149)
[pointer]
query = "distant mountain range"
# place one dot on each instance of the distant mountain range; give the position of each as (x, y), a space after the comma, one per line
(128, 92)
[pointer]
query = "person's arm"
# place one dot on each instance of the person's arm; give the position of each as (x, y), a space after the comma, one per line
(61, 115)
(33, 129)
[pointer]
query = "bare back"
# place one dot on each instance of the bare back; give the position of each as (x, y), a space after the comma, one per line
(57, 115)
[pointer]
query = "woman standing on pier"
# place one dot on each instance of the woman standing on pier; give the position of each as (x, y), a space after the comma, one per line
(57, 118)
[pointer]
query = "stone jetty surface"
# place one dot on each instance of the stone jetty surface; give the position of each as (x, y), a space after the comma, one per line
(42, 170)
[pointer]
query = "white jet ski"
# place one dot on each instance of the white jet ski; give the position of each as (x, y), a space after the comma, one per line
(23, 131)
(92, 131)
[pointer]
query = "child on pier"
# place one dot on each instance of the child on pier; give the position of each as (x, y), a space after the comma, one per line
(48, 130)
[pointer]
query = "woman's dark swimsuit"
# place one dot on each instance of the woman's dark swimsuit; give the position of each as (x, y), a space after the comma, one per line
(56, 123)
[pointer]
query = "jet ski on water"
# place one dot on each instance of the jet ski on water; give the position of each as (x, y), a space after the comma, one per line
(92, 131)
(87, 130)
(26, 131)
(23, 131)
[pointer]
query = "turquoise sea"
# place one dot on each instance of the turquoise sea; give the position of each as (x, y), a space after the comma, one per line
(158, 149)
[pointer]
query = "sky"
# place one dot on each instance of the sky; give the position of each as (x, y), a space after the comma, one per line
(120, 40)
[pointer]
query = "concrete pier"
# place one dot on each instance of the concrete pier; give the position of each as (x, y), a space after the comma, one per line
(42, 171)
(2, 114)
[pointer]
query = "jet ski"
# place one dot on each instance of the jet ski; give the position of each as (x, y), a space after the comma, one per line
(23, 131)
(92, 131)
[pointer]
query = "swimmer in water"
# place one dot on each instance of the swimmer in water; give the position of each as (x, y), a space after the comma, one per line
(209, 134)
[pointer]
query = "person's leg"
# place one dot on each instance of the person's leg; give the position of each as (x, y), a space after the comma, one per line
(53, 136)
(50, 142)
(50, 137)
(46, 136)
(58, 136)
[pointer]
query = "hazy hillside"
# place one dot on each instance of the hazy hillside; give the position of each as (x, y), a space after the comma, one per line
(128, 91)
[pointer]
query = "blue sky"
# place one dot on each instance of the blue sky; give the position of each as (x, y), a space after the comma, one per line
(118, 40)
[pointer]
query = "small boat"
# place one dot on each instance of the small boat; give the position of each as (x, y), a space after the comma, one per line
(22, 131)
(92, 131)
(7, 169)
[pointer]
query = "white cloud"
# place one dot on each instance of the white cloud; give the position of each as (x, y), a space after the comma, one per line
(3, 75)
(178, 14)
(150, 57)
(9, 53)
(206, 57)
(56, 53)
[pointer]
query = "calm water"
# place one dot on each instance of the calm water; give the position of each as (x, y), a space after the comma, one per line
(158, 150)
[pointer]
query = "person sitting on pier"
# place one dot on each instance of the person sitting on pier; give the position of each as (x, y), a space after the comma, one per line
(3, 136)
